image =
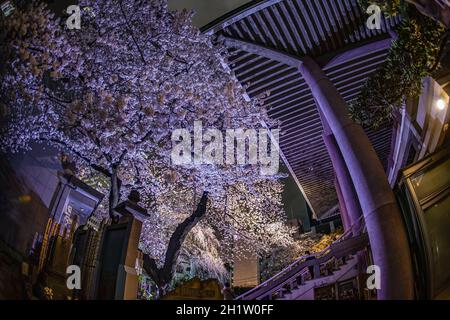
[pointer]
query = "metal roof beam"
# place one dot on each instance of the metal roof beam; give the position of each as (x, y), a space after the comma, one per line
(261, 50)
(349, 53)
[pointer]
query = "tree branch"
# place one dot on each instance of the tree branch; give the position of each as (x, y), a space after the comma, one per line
(131, 32)
(75, 152)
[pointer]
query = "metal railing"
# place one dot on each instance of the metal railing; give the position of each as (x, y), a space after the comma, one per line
(343, 246)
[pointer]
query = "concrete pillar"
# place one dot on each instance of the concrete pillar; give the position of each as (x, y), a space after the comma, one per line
(344, 181)
(383, 219)
(127, 282)
(342, 207)
(354, 220)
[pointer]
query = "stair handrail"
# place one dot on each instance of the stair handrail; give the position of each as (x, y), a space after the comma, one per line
(295, 263)
(320, 260)
(313, 287)
(280, 285)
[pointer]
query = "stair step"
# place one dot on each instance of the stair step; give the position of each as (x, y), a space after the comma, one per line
(336, 250)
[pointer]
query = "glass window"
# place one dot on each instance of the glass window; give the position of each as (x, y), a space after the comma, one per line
(434, 180)
(437, 220)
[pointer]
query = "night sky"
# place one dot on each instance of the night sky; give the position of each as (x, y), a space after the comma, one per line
(206, 10)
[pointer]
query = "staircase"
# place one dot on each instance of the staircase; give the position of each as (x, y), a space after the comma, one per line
(296, 283)
(305, 291)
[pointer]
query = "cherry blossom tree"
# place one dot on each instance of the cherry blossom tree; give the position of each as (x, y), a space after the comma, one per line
(111, 94)
(282, 256)
(32, 47)
(248, 218)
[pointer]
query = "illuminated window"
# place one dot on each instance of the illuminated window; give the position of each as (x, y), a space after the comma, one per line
(7, 8)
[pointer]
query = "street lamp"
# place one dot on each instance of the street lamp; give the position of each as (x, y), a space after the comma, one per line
(441, 104)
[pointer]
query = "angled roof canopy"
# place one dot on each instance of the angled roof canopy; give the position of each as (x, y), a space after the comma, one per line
(267, 40)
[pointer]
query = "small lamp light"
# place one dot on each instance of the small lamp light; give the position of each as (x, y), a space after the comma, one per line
(440, 104)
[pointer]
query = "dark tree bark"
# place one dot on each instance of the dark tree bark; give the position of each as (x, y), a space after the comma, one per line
(114, 193)
(435, 9)
(162, 276)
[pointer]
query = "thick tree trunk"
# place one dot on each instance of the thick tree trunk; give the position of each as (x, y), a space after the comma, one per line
(114, 193)
(162, 276)
(435, 9)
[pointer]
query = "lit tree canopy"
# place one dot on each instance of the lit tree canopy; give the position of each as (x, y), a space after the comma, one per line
(32, 47)
(132, 74)
(439, 10)
(415, 54)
